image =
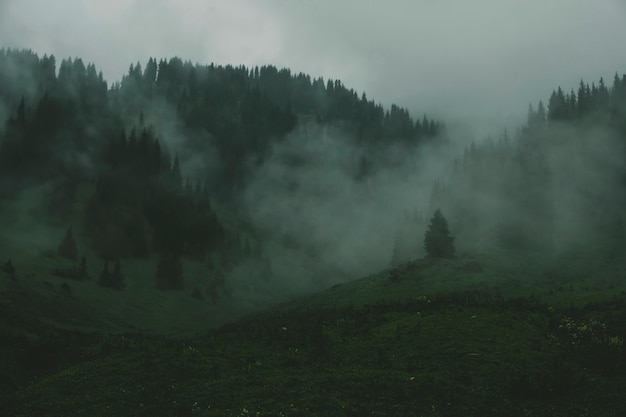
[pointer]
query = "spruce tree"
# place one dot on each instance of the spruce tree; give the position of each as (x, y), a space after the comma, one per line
(82, 269)
(117, 278)
(169, 272)
(437, 240)
(67, 248)
(540, 117)
(113, 279)
(105, 275)
(8, 267)
(176, 176)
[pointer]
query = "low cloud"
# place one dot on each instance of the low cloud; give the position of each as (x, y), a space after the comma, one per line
(464, 61)
(309, 196)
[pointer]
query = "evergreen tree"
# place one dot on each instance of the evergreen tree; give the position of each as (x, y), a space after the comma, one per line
(536, 119)
(67, 248)
(530, 119)
(20, 119)
(557, 105)
(602, 98)
(169, 273)
(541, 114)
(176, 176)
(115, 279)
(8, 267)
(105, 275)
(437, 240)
(82, 269)
(583, 99)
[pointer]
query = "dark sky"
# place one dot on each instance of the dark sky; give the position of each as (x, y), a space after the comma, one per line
(481, 61)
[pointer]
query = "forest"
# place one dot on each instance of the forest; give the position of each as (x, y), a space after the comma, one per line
(132, 142)
(187, 196)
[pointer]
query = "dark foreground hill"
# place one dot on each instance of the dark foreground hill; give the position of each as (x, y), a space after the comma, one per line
(400, 343)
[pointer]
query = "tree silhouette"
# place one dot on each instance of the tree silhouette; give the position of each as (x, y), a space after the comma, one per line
(67, 248)
(117, 278)
(437, 240)
(169, 273)
(82, 269)
(8, 267)
(113, 279)
(105, 275)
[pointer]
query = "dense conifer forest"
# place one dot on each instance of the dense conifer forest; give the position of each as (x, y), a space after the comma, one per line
(452, 277)
(67, 125)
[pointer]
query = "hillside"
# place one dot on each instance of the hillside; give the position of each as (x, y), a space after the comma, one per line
(430, 338)
(228, 241)
(187, 173)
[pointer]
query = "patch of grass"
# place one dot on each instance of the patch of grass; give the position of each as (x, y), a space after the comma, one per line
(459, 354)
(482, 335)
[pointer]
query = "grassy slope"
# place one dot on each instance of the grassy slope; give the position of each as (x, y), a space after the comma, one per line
(482, 335)
(30, 242)
(437, 340)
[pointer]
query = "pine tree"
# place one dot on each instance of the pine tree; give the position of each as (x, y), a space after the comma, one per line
(8, 267)
(557, 106)
(67, 248)
(583, 99)
(531, 116)
(117, 278)
(437, 240)
(82, 269)
(541, 114)
(105, 275)
(20, 119)
(169, 273)
(176, 175)
(113, 279)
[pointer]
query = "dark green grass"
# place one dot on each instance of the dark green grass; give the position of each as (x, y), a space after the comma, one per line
(30, 238)
(412, 345)
(495, 334)
(453, 358)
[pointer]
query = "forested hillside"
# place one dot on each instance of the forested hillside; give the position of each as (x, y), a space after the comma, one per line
(556, 185)
(140, 221)
(138, 168)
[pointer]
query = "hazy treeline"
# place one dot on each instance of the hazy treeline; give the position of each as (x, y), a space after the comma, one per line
(226, 164)
(240, 113)
(172, 138)
(558, 184)
(241, 110)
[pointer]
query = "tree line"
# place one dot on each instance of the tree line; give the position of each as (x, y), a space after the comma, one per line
(560, 177)
(66, 124)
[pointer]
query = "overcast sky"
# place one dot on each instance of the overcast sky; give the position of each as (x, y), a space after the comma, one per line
(481, 60)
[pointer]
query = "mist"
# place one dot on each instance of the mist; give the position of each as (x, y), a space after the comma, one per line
(344, 208)
(587, 181)
(475, 63)
(326, 215)
(324, 205)
(556, 192)
(4, 114)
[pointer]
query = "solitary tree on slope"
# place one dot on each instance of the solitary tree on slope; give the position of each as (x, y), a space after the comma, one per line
(437, 240)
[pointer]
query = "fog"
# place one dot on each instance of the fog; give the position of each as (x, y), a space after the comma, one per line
(4, 114)
(324, 208)
(478, 63)
(586, 167)
(558, 193)
(474, 65)
(308, 194)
